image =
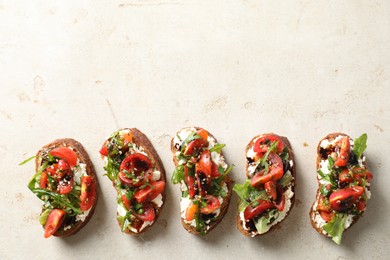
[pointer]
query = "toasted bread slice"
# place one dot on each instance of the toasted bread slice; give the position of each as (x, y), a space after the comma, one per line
(140, 144)
(327, 148)
(70, 227)
(210, 224)
(248, 227)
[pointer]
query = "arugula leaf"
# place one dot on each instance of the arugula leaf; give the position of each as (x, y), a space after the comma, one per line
(262, 223)
(242, 190)
(43, 217)
(217, 148)
(328, 177)
(189, 139)
(286, 179)
(330, 163)
(335, 227)
(27, 160)
(324, 191)
(31, 184)
(360, 145)
(247, 192)
(178, 174)
(284, 155)
(263, 161)
(112, 168)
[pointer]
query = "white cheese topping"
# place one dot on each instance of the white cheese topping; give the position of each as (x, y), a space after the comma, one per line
(156, 175)
(251, 153)
(83, 216)
(219, 160)
(121, 210)
(79, 172)
(67, 227)
(158, 200)
(183, 134)
(348, 221)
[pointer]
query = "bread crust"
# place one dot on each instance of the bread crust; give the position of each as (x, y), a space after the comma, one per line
(140, 139)
(312, 213)
(83, 157)
(226, 201)
(286, 142)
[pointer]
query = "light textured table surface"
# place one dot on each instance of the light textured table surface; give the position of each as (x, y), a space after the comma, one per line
(302, 69)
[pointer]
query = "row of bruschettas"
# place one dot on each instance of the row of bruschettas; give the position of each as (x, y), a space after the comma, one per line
(66, 182)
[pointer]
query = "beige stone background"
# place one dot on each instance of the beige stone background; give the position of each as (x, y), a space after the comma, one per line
(302, 69)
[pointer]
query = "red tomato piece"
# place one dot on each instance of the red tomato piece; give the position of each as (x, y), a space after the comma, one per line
(191, 212)
(43, 181)
(139, 165)
(343, 199)
(65, 185)
(327, 216)
(148, 214)
(252, 212)
(203, 133)
(127, 138)
(270, 188)
(345, 148)
(88, 192)
(361, 205)
(195, 146)
(212, 204)
(263, 143)
(104, 150)
(149, 192)
(65, 153)
(203, 183)
(322, 206)
(54, 222)
(275, 171)
(345, 177)
(204, 164)
(214, 171)
(126, 202)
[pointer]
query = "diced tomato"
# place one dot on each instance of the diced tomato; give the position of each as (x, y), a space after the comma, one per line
(149, 192)
(280, 203)
(204, 164)
(126, 202)
(191, 211)
(345, 148)
(264, 142)
(251, 212)
(190, 181)
(360, 173)
(203, 183)
(104, 150)
(66, 185)
(275, 171)
(148, 213)
(138, 164)
(195, 146)
(203, 133)
(43, 180)
(322, 206)
(270, 188)
(345, 177)
(214, 171)
(343, 199)
(88, 192)
(127, 138)
(54, 222)
(361, 205)
(212, 204)
(65, 153)
(327, 216)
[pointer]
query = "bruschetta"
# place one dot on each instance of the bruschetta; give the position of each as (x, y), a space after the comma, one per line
(138, 175)
(268, 195)
(343, 184)
(65, 180)
(203, 175)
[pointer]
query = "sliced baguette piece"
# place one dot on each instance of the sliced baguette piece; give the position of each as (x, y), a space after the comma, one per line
(288, 192)
(68, 229)
(175, 148)
(315, 218)
(141, 141)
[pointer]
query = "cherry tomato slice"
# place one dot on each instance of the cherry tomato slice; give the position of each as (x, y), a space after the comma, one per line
(212, 204)
(148, 214)
(204, 164)
(345, 148)
(263, 142)
(203, 183)
(190, 181)
(195, 146)
(214, 171)
(191, 212)
(104, 150)
(327, 216)
(126, 202)
(88, 192)
(203, 133)
(345, 177)
(43, 181)
(343, 199)
(322, 206)
(252, 212)
(275, 171)
(65, 185)
(149, 193)
(54, 222)
(127, 138)
(65, 153)
(138, 164)
(361, 205)
(270, 188)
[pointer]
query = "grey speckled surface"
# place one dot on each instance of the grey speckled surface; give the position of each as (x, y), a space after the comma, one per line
(237, 68)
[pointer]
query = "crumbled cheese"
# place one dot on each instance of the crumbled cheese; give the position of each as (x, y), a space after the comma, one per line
(324, 168)
(183, 134)
(219, 160)
(348, 221)
(361, 161)
(185, 202)
(67, 227)
(252, 168)
(121, 210)
(158, 200)
(156, 175)
(144, 225)
(83, 216)
(368, 193)
(211, 141)
(251, 153)
(79, 171)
